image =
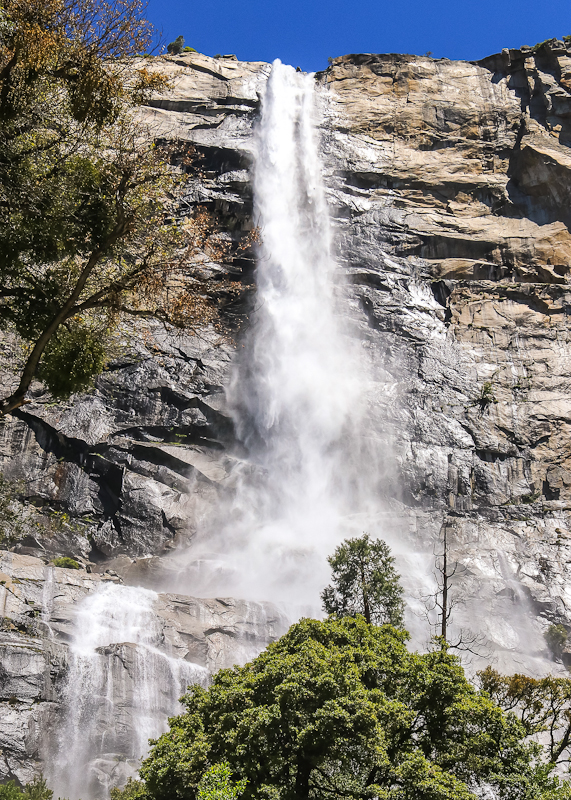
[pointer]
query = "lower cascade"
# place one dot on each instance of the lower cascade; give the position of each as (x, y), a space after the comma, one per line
(120, 689)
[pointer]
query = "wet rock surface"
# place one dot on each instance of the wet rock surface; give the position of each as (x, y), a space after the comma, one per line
(450, 184)
(38, 605)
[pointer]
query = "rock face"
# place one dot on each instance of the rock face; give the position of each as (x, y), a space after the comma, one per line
(458, 173)
(450, 186)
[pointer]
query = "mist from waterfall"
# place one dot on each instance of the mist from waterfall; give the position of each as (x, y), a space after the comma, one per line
(120, 690)
(298, 394)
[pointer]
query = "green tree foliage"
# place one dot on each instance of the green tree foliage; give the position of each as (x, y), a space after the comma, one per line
(10, 791)
(36, 790)
(133, 790)
(73, 356)
(341, 709)
(556, 638)
(88, 203)
(364, 582)
(543, 706)
(217, 784)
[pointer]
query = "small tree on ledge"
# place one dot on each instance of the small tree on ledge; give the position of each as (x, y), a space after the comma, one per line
(364, 582)
(175, 48)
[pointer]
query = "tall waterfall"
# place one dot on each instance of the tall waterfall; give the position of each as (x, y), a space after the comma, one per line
(121, 688)
(297, 392)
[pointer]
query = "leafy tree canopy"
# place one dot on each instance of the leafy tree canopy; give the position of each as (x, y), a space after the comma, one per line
(88, 203)
(364, 582)
(543, 705)
(341, 709)
(36, 790)
(217, 784)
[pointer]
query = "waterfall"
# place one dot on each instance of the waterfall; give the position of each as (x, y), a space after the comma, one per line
(307, 475)
(120, 690)
(297, 395)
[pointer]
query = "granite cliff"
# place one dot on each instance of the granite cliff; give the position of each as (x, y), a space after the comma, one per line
(449, 184)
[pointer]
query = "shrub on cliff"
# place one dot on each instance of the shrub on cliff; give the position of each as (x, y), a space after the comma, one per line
(20, 518)
(88, 202)
(66, 563)
(175, 48)
(342, 709)
(556, 638)
(12, 517)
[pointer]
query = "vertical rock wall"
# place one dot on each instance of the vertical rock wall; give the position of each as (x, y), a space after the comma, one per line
(450, 180)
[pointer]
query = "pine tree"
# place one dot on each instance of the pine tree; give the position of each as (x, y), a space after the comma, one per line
(364, 582)
(175, 48)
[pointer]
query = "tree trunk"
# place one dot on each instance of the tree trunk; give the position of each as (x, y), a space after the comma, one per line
(302, 778)
(366, 606)
(444, 631)
(18, 398)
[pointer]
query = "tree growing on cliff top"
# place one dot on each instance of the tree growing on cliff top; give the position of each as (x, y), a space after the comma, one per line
(364, 582)
(88, 203)
(175, 48)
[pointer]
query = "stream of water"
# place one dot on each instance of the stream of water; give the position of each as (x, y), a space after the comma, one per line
(298, 391)
(120, 690)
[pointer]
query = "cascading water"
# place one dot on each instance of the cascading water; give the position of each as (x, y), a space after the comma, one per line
(121, 688)
(298, 392)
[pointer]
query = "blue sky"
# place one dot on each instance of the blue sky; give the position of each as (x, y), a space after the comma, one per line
(307, 32)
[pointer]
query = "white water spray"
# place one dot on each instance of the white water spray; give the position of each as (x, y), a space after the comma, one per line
(121, 688)
(297, 394)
